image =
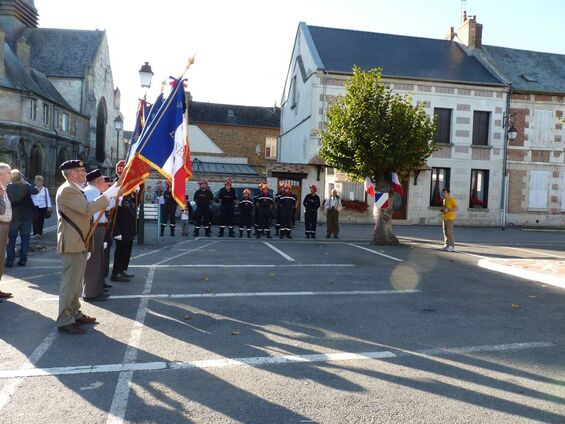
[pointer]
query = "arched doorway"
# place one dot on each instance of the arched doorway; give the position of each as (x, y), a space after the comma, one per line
(62, 156)
(36, 161)
(101, 121)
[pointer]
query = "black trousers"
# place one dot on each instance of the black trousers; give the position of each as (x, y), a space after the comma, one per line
(264, 222)
(39, 221)
(226, 216)
(311, 219)
(168, 214)
(122, 255)
(202, 218)
(245, 221)
(285, 219)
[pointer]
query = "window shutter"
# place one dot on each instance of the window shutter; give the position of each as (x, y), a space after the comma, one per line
(539, 189)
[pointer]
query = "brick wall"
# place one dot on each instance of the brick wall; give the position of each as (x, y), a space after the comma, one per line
(516, 184)
(240, 141)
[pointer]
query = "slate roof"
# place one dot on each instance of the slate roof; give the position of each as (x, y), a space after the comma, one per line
(63, 52)
(223, 168)
(19, 78)
(398, 55)
(249, 116)
(528, 70)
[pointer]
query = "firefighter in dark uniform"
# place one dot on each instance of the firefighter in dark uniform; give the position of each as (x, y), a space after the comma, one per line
(264, 203)
(256, 209)
(286, 204)
(168, 210)
(203, 216)
(245, 213)
(227, 198)
(277, 212)
(311, 204)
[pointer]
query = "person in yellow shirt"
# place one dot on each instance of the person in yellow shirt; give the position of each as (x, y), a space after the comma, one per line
(448, 217)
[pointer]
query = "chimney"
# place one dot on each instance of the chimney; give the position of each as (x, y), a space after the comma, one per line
(2, 68)
(470, 33)
(23, 52)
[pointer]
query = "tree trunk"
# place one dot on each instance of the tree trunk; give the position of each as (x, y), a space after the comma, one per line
(383, 233)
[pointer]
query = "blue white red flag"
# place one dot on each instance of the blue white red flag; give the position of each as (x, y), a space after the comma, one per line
(369, 187)
(381, 200)
(163, 143)
(396, 186)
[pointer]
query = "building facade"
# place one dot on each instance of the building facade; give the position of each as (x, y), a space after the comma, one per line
(469, 100)
(58, 99)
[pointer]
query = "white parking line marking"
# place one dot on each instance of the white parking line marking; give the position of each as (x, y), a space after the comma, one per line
(7, 392)
(266, 360)
(249, 294)
(376, 253)
(240, 265)
(185, 253)
(536, 252)
(141, 255)
(121, 394)
(523, 273)
(280, 252)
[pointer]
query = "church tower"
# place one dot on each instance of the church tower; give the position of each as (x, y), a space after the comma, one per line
(16, 15)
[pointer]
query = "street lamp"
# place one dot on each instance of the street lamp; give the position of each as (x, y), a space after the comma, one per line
(512, 133)
(145, 76)
(118, 125)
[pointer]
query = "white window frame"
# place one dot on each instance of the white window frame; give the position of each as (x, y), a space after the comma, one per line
(32, 111)
(65, 122)
(538, 190)
(271, 147)
(46, 113)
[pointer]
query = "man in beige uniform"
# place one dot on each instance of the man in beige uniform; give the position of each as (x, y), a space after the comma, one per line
(73, 225)
(5, 218)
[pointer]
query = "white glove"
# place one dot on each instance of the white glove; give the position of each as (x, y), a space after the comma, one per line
(88, 255)
(118, 237)
(112, 191)
(105, 244)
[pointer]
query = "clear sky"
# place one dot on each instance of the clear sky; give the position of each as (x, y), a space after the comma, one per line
(243, 47)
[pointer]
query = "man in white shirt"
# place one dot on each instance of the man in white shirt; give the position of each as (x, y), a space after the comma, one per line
(5, 218)
(42, 202)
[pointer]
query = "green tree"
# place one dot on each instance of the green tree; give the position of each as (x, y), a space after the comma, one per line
(370, 132)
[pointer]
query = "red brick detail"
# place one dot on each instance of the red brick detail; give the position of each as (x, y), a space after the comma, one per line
(557, 139)
(520, 96)
(518, 155)
(480, 154)
(540, 155)
(543, 98)
(555, 186)
(444, 152)
(516, 182)
(555, 174)
(554, 199)
(558, 126)
(556, 154)
(519, 120)
(559, 114)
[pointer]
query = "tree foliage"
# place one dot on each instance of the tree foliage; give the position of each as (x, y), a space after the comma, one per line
(371, 131)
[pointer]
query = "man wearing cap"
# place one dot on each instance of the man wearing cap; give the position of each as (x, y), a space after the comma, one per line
(245, 212)
(264, 203)
(202, 217)
(73, 227)
(286, 203)
(227, 199)
(93, 285)
(311, 205)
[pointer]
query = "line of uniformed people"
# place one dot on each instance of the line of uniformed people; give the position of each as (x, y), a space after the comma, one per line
(264, 207)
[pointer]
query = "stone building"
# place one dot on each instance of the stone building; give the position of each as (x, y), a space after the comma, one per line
(469, 100)
(58, 99)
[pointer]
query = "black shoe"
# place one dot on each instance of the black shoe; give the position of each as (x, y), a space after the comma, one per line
(289, 236)
(313, 236)
(22, 263)
(232, 234)
(9, 264)
(100, 298)
(336, 236)
(280, 236)
(119, 278)
(126, 275)
(249, 234)
(328, 236)
(307, 235)
(258, 235)
(107, 286)
(196, 233)
(269, 235)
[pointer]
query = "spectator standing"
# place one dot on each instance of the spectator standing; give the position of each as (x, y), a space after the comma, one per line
(42, 202)
(448, 220)
(23, 214)
(332, 206)
(5, 218)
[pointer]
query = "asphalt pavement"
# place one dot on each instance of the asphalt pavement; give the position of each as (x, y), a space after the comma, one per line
(215, 330)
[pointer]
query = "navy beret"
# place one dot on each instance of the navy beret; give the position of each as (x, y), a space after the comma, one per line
(92, 175)
(71, 164)
(108, 180)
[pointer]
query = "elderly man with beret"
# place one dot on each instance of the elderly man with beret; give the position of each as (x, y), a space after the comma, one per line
(74, 223)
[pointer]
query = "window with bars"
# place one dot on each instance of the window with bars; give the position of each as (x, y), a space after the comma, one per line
(440, 180)
(478, 197)
(443, 125)
(480, 128)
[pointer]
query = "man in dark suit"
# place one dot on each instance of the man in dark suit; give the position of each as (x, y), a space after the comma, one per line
(23, 214)
(124, 233)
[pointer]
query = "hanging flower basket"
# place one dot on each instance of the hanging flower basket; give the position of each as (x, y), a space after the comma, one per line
(355, 205)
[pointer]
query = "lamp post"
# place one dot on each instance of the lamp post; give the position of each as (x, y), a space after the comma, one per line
(145, 76)
(118, 125)
(510, 134)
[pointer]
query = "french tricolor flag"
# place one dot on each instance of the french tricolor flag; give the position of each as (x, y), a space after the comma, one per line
(381, 200)
(164, 142)
(396, 186)
(369, 187)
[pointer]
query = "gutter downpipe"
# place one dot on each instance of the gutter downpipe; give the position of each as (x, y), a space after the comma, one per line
(504, 197)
